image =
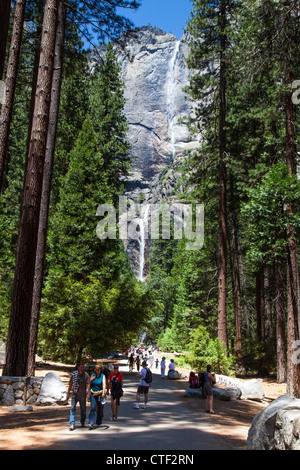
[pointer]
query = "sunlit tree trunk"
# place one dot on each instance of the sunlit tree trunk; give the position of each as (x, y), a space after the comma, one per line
(11, 81)
(47, 179)
(20, 319)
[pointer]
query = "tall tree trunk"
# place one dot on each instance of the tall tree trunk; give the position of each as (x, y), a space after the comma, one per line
(20, 318)
(222, 313)
(245, 318)
(293, 374)
(11, 81)
(267, 303)
(236, 290)
(280, 323)
(4, 26)
(47, 180)
(37, 49)
(259, 314)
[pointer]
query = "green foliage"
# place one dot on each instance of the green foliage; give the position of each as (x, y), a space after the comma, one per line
(205, 350)
(257, 357)
(107, 108)
(267, 217)
(85, 318)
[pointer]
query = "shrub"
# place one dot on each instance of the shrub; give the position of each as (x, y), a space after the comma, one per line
(203, 350)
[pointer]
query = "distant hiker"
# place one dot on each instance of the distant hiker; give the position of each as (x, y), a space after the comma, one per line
(80, 386)
(156, 363)
(131, 362)
(115, 383)
(97, 396)
(144, 385)
(209, 379)
(138, 361)
(163, 367)
(150, 360)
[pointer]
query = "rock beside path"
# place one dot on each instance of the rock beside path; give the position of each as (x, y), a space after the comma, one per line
(53, 391)
(234, 389)
(277, 427)
(19, 408)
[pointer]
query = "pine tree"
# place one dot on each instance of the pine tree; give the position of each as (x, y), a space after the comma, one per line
(209, 44)
(107, 108)
(16, 347)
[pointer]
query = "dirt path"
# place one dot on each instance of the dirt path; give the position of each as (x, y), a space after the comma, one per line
(171, 422)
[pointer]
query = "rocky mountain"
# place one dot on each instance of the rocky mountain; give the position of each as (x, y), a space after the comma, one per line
(154, 73)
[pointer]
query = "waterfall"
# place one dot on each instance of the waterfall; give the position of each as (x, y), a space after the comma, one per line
(143, 223)
(171, 96)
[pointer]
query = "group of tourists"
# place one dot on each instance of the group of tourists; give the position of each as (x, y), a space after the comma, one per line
(206, 381)
(136, 356)
(96, 388)
(104, 382)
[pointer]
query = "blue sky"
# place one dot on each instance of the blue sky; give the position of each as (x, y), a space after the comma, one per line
(169, 15)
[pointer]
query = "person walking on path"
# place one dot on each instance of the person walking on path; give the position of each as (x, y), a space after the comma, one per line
(131, 363)
(143, 387)
(138, 361)
(209, 380)
(80, 386)
(115, 381)
(97, 396)
(162, 367)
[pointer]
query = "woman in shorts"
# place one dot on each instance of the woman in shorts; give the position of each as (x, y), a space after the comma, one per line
(209, 380)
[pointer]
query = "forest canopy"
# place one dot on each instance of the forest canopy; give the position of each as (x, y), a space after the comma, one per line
(64, 150)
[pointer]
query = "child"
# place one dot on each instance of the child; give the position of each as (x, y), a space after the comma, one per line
(193, 380)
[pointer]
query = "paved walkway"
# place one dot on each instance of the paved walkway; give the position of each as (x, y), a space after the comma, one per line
(166, 424)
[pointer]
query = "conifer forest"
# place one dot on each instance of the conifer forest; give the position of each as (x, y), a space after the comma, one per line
(65, 291)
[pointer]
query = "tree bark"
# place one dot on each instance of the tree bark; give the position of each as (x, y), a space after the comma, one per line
(20, 318)
(4, 26)
(267, 303)
(47, 180)
(222, 251)
(11, 81)
(280, 323)
(259, 315)
(293, 374)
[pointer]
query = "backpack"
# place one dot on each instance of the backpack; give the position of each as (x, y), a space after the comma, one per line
(117, 391)
(148, 376)
(193, 382)
(200, 379)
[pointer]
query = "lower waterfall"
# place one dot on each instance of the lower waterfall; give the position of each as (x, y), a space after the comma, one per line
(143, 223)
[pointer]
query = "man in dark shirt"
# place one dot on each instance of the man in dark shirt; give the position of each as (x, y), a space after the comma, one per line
(80, 386)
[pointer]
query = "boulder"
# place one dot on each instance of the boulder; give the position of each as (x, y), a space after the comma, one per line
(287, 428)
(228, 393)
(225, 394)
(19, 409)
(8, 398)
(174, 375)
(277, 426)
(193, 393)
(53, 391)
(251, 389)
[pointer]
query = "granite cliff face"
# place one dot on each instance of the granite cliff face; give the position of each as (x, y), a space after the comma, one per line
(154, 73)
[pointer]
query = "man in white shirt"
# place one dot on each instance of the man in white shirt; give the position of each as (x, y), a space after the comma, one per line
(143, 387)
